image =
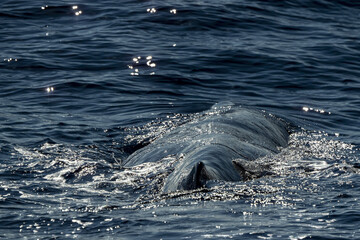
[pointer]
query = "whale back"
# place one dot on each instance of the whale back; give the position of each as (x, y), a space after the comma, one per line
(209, 144)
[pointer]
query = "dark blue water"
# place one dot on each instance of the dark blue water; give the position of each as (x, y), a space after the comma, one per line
(86, 83)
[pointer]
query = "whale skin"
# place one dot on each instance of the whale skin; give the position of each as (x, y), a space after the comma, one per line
(220, 144)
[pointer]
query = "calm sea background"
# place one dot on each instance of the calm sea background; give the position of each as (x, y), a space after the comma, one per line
(85, 83)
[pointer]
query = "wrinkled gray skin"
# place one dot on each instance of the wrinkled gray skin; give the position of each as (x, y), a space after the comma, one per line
(219, 145)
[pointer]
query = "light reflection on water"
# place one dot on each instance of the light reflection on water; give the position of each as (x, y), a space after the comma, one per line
(60, 158)
(86, 183)
(142, 66)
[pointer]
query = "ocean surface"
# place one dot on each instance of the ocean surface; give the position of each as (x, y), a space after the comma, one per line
(85, 83)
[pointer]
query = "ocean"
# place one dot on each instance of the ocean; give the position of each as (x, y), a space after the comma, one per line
(86, 83)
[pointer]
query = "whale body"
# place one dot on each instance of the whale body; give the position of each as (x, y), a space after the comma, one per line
(221, 144)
